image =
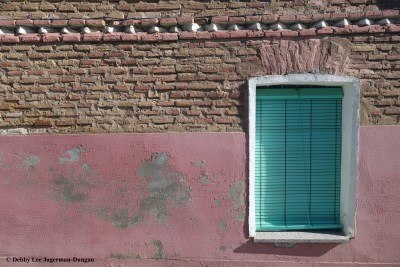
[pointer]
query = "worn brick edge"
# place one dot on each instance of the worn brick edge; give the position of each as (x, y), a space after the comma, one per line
(160, 37)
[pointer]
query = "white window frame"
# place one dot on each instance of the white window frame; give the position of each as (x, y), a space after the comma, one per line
(349, 162)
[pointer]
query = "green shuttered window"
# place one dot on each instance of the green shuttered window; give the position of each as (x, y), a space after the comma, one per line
(298, 158)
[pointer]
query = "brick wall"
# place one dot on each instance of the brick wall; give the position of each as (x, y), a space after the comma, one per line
(185, 81)
(166, 86)
(133, 9)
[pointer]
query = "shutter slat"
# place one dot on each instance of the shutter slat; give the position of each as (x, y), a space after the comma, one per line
(297, 158)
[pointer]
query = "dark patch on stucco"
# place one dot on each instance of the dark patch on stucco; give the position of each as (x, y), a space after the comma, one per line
(31, 161)
(159, 253)
(124, 256)
(73, 155)
(199, 164)
(164, 186)
(121, 219)
(205, 180)
(222, 248)
(86, 168)
(66, 190)
(236, 195)
(222, 225)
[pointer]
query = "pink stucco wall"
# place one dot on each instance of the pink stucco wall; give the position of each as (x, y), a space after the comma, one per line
(177, 196)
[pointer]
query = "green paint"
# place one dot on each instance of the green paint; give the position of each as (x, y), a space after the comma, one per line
(124, 256)
(159, 254)
(217, 202)
(222, 225)
(236, 193)
(66, 191)
(31, 161)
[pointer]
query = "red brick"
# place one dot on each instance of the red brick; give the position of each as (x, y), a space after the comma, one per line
(59, 22)
(184, 20)
(148, 22)
(112, 37)
(93, 37)
(269, 18)
(252, 19)
(221, 34)
(130, 37)
(96, 22)
(77, 22)
(151, 37)
(7, 22)
(290, 33)
(393, 28)
(9, 38)
(51, 37)
(169, 36)
(287, 17)
(142, 88)
(24, 22)
(272, 33)
(42, 22)
(239, 34)
(307, 32)
(187, 35)
(30, 38)
(220, 19)
(326, 30)
(236, 20)
(73, 37)
(166, 22)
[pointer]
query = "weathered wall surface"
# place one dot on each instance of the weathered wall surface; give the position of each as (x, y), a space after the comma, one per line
(176, 196)
(133, 199)
(140, 9)
(180, 86)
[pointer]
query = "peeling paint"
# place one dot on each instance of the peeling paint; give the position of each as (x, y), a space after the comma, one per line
(124, 256)
(241, 216)
(163, 183)
(159, 253)
(199, 164)
(66, 190)
(31, 161)
(205, 180)
(222, 225)
(236, 193)
(121, 219)
(164, 186)
(222, 248)
(86, 168)
(73, 155)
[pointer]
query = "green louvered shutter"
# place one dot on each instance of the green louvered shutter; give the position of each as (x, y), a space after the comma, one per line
(298, 158)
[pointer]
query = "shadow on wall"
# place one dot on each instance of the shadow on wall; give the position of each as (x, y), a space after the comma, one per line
(302, 250)
(389, 4)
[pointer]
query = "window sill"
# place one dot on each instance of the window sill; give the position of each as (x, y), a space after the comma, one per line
(292, 237)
